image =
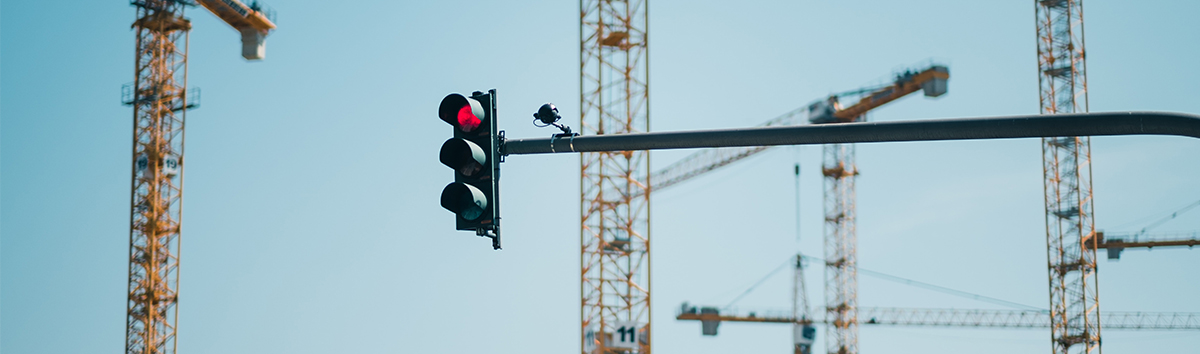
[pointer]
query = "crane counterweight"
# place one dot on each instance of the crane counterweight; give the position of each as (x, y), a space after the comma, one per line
(253, 21)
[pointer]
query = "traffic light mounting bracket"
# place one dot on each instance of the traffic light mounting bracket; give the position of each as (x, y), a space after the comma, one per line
(494, 159)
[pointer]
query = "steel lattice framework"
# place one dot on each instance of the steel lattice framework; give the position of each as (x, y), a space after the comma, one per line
(615, 206)
(841, 265)
(1066, 162)
(933, 317)
(800, 315)
(159, 98)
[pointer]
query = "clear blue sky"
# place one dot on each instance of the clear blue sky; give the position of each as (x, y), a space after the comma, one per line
(311, 210)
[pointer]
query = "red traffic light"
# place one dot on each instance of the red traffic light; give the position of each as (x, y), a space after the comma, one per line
(463, 156)
(463, 113)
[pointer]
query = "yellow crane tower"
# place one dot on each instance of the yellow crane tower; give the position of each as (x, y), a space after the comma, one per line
(615, 206)
(1071, 240)
(160, 100)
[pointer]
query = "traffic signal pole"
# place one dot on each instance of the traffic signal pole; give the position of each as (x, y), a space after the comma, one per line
(1009, 127)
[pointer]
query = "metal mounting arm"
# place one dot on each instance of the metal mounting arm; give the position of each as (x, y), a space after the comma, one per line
(1024, 126)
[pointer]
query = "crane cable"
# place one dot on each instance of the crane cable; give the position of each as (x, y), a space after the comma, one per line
(897, 279)
(1165, 219)
(760, 281)
(907, 281)
(941, 289)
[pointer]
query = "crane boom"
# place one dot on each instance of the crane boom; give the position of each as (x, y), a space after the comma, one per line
(932, 80)
(1116, 243)
(710, 316)
(252, 21)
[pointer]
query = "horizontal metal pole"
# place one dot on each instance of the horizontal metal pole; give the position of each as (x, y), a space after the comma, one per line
(1026, 126)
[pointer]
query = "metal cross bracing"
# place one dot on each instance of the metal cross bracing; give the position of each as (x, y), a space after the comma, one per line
(615, 223)
(1066, 162)
(841, 265)
(160, 102)
(802, 330)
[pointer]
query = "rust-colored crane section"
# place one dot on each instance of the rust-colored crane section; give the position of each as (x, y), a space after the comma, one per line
(964, 318)
(931, 80)
(1125, 241)
(1117, 243)
(252, 21)
(753, 317)
(239, 15)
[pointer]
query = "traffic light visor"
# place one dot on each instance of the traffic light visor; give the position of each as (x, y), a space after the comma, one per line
(464, 200)
(463, 113)
(463, 156)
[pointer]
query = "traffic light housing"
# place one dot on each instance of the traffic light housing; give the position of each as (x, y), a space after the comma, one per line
(474, 155)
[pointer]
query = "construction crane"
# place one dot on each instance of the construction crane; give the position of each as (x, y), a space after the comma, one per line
(839, 171)
(1071, 240)
(615, 220)
(160, 99)
(710, 317)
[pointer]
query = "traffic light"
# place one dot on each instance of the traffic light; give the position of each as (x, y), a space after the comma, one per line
(474, 155)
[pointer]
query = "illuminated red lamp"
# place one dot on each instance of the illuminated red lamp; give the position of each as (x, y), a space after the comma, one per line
(462, 112)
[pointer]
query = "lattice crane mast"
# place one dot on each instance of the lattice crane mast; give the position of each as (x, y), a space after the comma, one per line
(614, 232)
(1067, 176)
(160, 100)
(803, 333)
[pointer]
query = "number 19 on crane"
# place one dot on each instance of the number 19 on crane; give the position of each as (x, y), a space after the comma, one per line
(474, 155)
